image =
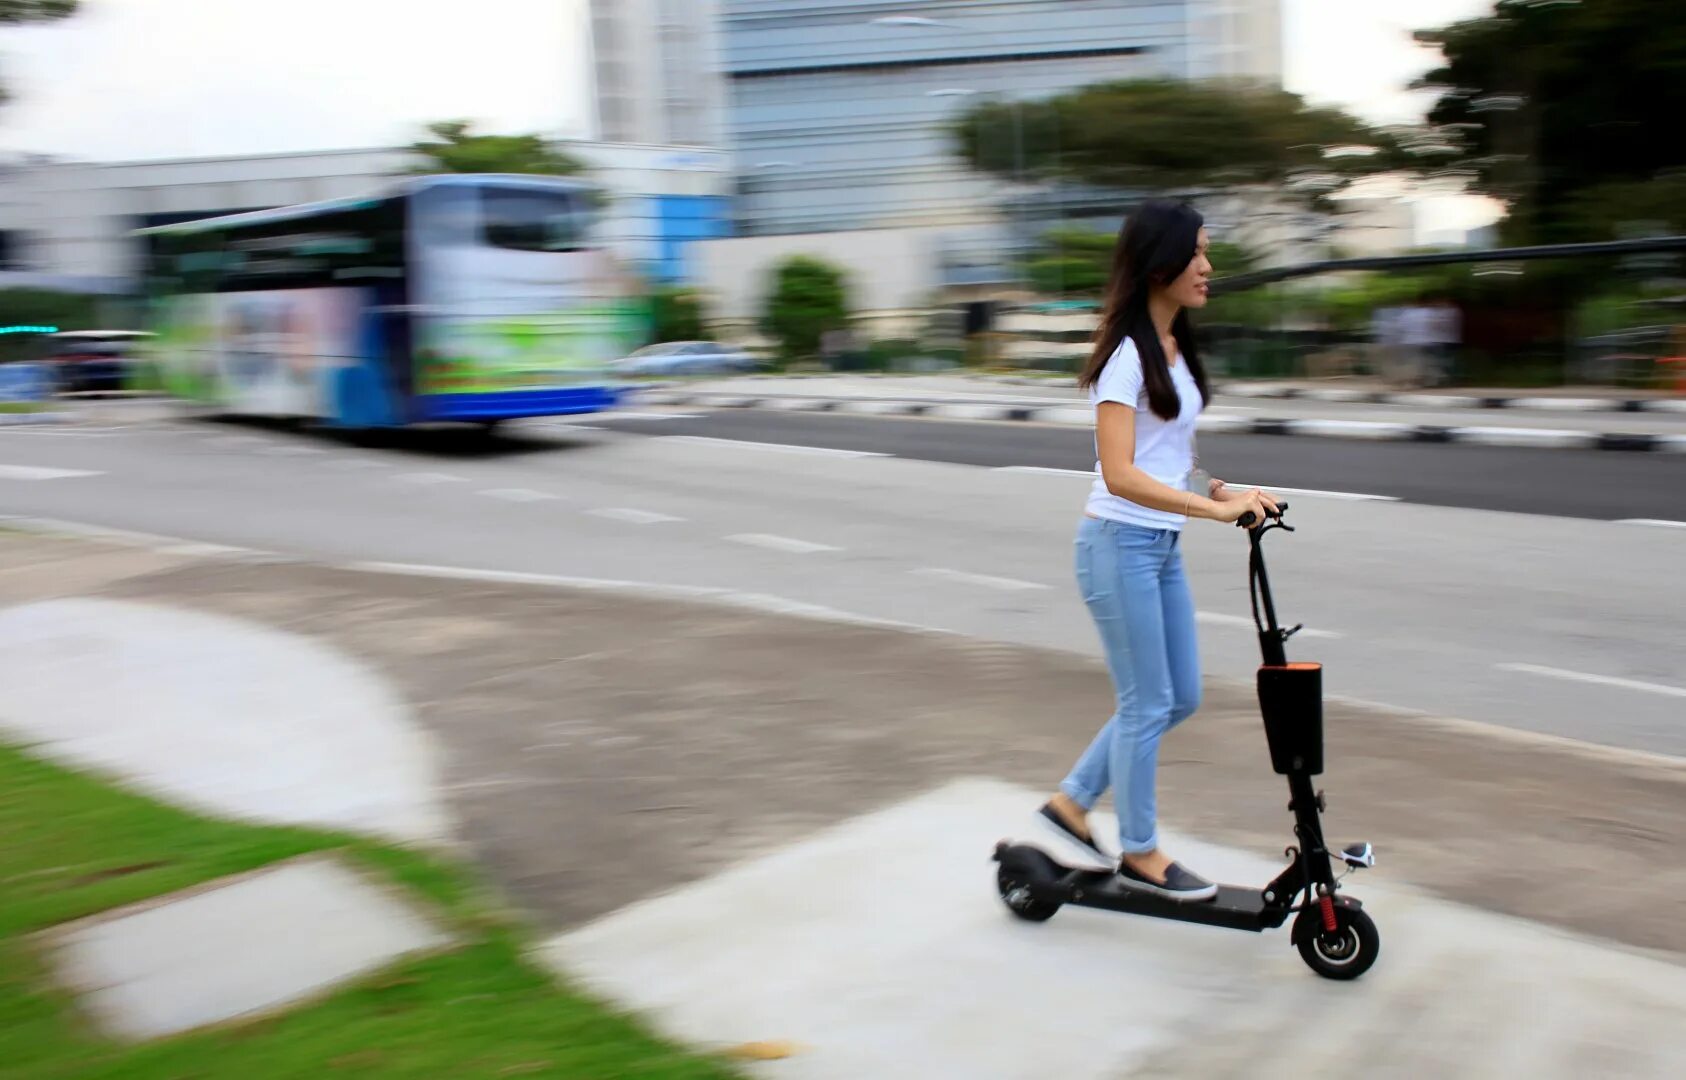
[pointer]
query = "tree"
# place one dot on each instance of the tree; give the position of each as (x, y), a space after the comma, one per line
(808, 298)
(676, 314)
(19, 12)
(1562, 111)
(454, 148)
(1077, 262)
(1165, 135)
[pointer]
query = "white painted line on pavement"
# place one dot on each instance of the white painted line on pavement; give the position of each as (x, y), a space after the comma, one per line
(587, 419)
(291, 451)
(1660, 522)
(750, 601)
(633, 516)
(431, 478)
(1351, 496)
(38, 472)
(784, 448)
(1237, 622)
(356, 463)
(238, 440)
(781, 543)
(987, 581)
(1596, 680)
(516, 494)
(1087, 474)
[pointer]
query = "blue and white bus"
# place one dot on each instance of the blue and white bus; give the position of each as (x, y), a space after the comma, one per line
(451, 298)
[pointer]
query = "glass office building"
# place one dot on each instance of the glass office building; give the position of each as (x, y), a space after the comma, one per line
(838, 109)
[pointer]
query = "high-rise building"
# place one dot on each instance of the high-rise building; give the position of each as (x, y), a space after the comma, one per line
(1235, 39)
(657, 72)
(839, 109)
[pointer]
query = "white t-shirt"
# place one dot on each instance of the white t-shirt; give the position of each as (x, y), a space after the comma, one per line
(1164, 450)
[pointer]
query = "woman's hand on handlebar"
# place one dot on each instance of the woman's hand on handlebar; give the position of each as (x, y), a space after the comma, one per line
(1233, 504)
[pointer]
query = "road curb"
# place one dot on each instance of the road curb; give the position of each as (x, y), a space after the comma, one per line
(1080, 416)
(20, 419)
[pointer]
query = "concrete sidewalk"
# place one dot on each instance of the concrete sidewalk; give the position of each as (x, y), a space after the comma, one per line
(599, 751)
(1537, 421)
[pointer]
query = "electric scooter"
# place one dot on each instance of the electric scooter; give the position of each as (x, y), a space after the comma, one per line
(1334, 935)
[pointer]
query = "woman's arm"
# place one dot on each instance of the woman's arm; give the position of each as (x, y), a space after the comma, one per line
(1115, 436)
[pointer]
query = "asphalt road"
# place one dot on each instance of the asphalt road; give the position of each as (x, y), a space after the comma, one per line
(1567, 483)
(1542, 621)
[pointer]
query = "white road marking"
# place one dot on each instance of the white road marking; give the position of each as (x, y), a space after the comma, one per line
(781, 543)
(784, 448)
(292, 451)
(749, 601)
(355, 463)
(1660, 522)
(1596, 680)
(598, 418)
(431, 478)
(633, 516)
(37, 472)
(238, 440)
(1238, 622)
(1314, 492)
(1087, 474)
(516, 494)
(987, 581)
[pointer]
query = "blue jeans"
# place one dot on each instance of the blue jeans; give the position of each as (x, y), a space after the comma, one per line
(1132, 580)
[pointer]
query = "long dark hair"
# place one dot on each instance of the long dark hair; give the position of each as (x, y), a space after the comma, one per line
(1155, 246)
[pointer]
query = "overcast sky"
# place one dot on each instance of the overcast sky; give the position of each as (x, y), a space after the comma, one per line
(135, 79)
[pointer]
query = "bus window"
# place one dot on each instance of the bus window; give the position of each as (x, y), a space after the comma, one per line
(528, 220)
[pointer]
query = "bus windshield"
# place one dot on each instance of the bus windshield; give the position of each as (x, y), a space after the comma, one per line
(528, 220)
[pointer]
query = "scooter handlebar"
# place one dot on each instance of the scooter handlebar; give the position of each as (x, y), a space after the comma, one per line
(1250, 519)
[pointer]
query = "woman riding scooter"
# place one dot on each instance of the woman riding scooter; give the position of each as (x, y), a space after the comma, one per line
(1148, 388)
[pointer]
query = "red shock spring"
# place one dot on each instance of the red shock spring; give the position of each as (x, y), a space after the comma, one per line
(1328, 903)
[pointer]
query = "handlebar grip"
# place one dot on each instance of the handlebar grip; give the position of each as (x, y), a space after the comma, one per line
(1249, 519)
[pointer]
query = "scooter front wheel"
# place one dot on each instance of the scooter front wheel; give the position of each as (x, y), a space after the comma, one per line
(1345, 953)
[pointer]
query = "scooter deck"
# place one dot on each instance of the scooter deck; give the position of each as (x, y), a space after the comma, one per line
(1235, 907)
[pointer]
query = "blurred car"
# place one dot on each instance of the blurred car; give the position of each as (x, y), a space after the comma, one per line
(84, 361)
(688, 358)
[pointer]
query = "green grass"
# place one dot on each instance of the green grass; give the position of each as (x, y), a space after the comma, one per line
(71, 846)
(21, 406)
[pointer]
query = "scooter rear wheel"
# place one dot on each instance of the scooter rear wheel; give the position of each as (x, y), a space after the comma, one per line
(1346, 953)
(1014, 886)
